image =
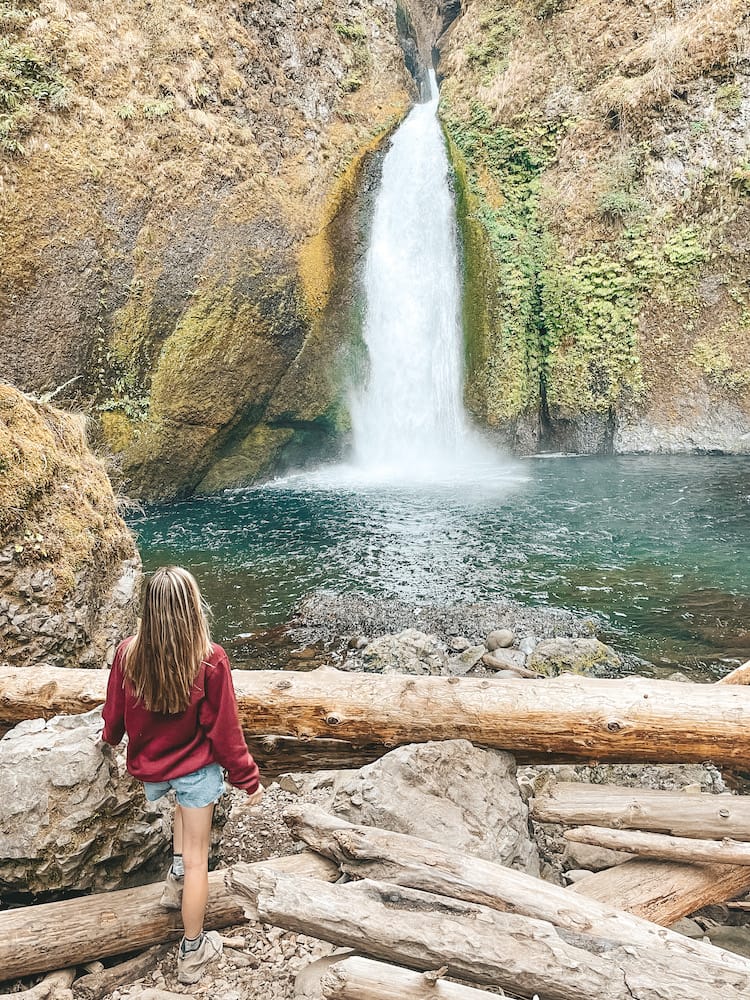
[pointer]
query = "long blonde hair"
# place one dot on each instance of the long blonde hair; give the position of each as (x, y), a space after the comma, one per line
(172, 640)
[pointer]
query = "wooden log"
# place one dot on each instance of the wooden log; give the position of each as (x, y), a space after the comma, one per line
(363, 979)
(98, 984)
(664, 891)
(48, 987)
(525, 956)
(630, 720)
(677, 813)
(52, 935)
(381, 855)
(658, 845)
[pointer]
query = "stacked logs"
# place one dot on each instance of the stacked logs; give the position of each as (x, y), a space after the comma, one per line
(416, 905)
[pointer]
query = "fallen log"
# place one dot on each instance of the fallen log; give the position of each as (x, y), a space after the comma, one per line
(98, 984)
(525, 956)
(664, 891)
(381, 855)
(74, 931)
(662, 847)
(677, 813)
(48, 988)
(363, 979)
(569, 717)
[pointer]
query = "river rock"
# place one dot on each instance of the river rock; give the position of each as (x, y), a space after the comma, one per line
(450, 792)
(70, 815)
(500, 638)
(505, 659)
(736, 939)
(458, 643)
(591, 857)
(462, 664)
(408, 652)
(577, 656)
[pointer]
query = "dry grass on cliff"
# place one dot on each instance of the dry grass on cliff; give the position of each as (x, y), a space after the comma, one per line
(57, 509)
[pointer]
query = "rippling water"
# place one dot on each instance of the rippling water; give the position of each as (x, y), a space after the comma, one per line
(657, 546)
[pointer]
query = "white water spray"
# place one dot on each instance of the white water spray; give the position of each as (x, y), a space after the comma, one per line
(408, 419)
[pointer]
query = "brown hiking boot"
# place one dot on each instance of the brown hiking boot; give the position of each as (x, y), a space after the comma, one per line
(171, 897)
(190, 964)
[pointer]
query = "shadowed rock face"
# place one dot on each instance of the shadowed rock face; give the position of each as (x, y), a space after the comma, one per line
(69, 568)
(184, 224)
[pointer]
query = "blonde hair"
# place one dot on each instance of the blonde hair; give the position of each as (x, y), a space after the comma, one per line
(172, 641)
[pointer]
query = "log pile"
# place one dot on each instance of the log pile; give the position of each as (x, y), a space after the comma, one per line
(418, 906)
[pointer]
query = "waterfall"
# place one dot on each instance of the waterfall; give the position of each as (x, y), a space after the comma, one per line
(408, 419)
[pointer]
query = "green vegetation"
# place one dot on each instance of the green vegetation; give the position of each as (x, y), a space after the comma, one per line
(539, 326)
(158, 109)
(27, 83)
(351, 32)
(499, 27)
(711, 356)
(356, 57)
(729, 98)
(616, 206)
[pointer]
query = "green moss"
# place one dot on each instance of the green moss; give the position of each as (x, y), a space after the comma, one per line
(729, 98)
(711, 356)
(499, 26)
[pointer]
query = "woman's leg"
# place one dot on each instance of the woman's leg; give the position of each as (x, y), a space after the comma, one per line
(195, 836)
(177, 830)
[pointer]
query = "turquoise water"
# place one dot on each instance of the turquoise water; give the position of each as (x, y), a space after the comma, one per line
(658, 546)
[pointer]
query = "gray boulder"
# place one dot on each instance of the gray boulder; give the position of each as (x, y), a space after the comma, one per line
(70, 815)
(577, 656)
(450, 792)
(408, 652)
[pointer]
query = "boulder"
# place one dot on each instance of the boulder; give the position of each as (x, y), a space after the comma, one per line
(501, 638)
(70, 815)
(462, 664)
(408, 652)
(577, 656)
(451, 792)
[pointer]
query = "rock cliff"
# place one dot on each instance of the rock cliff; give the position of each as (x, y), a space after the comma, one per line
(180, 197)
(69, 569)
(602, 159)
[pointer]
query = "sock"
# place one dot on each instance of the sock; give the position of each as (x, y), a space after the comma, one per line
(191, 944)
(178, 869)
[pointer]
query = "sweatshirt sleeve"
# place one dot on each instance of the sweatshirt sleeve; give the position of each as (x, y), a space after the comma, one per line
(221, 724)
(113, 712)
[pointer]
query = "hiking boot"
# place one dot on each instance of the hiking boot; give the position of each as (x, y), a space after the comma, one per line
(171, 897)
(190, 964)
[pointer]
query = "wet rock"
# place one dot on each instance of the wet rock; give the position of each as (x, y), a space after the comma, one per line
(409, 652)
(577, 656)
(499, 639)
(449, 792)
(70, 815)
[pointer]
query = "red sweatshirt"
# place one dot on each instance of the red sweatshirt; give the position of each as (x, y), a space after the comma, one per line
(162, 746)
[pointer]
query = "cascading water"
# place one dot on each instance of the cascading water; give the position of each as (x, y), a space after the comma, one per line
(408, 419)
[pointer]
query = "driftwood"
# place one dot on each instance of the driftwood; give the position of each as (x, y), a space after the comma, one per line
(658, 845)
(53, 935)
(526, 956)
(566, 717)
(680, 814)
(382, 855)
(52, 984)
(98, 984)
(363, 979)
(664, 891)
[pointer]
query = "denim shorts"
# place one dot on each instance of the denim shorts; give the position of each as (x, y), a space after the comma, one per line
(194, 791)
